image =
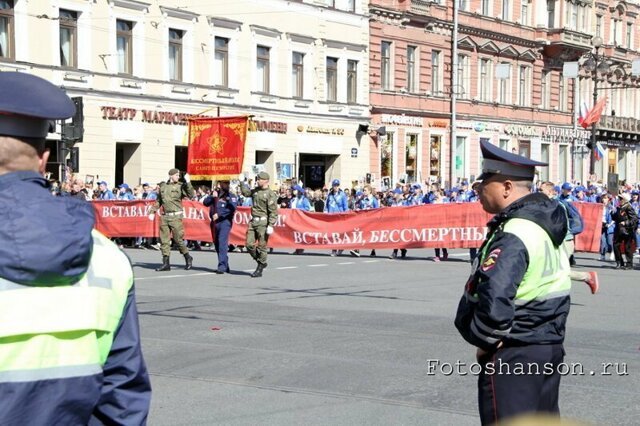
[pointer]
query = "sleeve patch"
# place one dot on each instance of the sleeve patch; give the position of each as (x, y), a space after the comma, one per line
(491, 260)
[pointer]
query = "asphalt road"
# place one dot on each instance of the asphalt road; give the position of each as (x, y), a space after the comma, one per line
(323, 340)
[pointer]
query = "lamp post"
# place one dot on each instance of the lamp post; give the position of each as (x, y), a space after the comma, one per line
(594, 64)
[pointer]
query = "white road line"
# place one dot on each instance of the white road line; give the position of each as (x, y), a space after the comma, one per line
(345, 263)
(159, 277)
(370, 261)
(287, 267)
(248, 270)
(319, 264)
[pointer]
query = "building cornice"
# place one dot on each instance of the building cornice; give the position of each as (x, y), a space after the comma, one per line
(131, 4)
(224, 23)
(178, 13)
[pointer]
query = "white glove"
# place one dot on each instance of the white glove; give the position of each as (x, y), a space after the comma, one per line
(187, 178)
(152, 216)
(269, 230)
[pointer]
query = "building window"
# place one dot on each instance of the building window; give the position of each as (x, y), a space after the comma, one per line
(436, 85)
(551, 13)
(524, 148)
(463, 66)
(332, 79)
(563, 94)
(524, 12)
(175, 54)
(622, 164)
(523, 86)
(484, 7)
(563, 176)
(297, 75)
(124, 36)
(68, 22)
(386, 157)
(6, 29)
(504, 84)
(385, 66)
(463, 5)
(572, 16)
(262, 65)
(434, 157)
(544, 157)
(545, 88)
(460, 157)
(504, 144)
(506, 4)
(599, 25)
(411, 69)
(352, 81)
(629, 35)
(221, 62)
(351, 6)
(615, 32)
(411, 158)
(485, 80)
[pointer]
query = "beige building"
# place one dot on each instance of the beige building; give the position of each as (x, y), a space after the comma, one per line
(300, 68)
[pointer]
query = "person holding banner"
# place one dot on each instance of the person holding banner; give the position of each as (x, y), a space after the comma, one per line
(222, 206)
(264, 214)
(169, 203)
(516, 301)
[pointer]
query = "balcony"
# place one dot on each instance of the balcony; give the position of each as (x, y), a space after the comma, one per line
(564, 44)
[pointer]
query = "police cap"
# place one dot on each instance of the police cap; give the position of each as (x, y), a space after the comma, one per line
(497, 161)
(29, 103)
(263, 176)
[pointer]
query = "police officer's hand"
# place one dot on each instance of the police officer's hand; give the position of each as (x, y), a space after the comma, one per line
(214, 194)
(187, 178)
(152, 216)
(269, 230)
(215, 216)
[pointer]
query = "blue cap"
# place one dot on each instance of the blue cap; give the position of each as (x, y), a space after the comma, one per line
(335, 182)
(581, 188)
(28, 105)
(359, 193)
(416, 186)
(567, 186)
(497, 161)
(124, 186)
(397, 191)
(557, 189)
(297, 188)
(102, 183)
(145, 184)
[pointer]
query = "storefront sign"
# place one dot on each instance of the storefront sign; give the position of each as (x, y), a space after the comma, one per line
(520, 130)
(564, 134)
(479, 126)
(621, 144)
(354, 152)
(403, 120)
(147, 116)
(439, 124)
(321, 130)
(267, 126)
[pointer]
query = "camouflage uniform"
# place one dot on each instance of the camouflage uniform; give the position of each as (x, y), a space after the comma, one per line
(264, 213)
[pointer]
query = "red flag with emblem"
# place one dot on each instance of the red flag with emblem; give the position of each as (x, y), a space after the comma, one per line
(216, 147)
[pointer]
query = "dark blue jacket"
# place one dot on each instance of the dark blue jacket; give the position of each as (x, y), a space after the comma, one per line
(47, 241)
(224, 205)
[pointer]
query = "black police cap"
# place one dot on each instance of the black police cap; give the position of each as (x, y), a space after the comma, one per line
(497, 161)
(29, 103)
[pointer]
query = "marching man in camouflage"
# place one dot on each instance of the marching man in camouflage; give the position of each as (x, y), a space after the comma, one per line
(264, 214)
(169, 204)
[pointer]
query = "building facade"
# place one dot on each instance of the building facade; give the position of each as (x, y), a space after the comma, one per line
(505, 83)
(140, 70)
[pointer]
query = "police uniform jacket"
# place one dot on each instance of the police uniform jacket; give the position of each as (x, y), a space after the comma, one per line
(518, 291)
(224, 205)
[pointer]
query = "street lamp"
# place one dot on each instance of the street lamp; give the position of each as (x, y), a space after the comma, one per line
(595, 64)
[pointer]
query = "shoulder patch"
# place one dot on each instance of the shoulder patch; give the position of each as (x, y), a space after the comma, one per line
(491, 260)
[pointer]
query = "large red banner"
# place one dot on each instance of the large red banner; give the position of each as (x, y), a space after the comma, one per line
(216, 147)
(428, 226)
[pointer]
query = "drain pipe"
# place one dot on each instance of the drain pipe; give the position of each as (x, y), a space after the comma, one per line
(454, 90)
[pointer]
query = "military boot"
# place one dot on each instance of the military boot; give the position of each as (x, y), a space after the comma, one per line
(165, 264)
(188, 260)
(258, 272)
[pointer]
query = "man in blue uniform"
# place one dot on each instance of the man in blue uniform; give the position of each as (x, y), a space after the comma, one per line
(336, 203)
(516, 301)
(222, 206)
(69, 341)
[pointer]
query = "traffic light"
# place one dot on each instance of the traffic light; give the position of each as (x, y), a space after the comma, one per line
(74, 130)
(590, 145)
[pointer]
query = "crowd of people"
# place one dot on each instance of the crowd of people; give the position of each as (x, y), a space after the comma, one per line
(620, 237)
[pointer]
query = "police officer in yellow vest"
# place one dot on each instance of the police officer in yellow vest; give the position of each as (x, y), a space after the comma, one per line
(516, 301)
(264, 214)
(69, 338)
(169, 203)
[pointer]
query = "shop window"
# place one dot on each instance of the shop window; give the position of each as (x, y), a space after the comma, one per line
(544, 157)
(411, 158)
(386, 156)
(460, 161)
(434, 157)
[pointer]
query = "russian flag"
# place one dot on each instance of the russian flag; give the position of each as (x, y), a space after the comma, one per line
(599, 152)
(584, 110)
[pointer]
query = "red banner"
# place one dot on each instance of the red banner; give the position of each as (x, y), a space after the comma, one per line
(428, 226)
(216, 147)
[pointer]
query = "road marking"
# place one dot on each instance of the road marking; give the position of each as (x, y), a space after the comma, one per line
(345, 263)
(319, 264)
(370, 261)
(287, 267)
(248, 270)
(159, 277)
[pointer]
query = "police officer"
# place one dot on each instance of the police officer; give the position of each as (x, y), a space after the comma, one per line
(70, 343)
(516, 301)
(264, 214)
(169, 203)
(222, 206)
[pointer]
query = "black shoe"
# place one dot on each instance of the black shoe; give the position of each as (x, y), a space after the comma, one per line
(188, 260)
(220, 272)
(165, 264)
(258, 272)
